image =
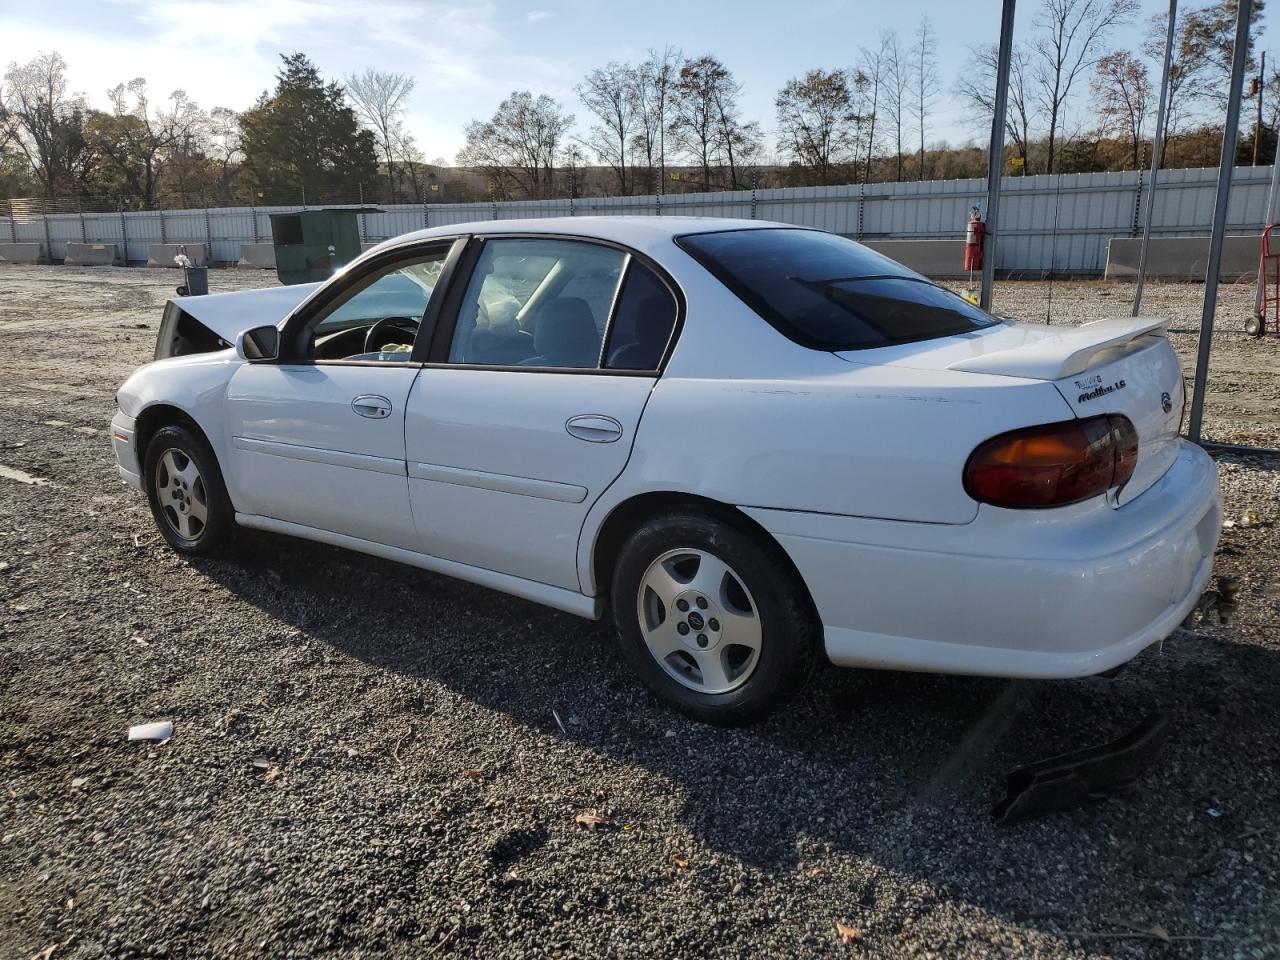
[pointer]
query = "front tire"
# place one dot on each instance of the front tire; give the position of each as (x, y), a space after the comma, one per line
(185, 491)
(713, 619)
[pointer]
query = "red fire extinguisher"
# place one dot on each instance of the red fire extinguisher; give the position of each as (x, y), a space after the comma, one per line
(973, 237)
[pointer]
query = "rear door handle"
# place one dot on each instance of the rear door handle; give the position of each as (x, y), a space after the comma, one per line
(594, 428)
(372, 406)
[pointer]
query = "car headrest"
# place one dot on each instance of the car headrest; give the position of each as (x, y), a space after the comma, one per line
(565, 334)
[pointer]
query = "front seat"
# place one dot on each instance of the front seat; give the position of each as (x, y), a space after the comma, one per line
(565, 335)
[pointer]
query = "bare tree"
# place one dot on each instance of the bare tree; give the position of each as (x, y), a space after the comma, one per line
(138, 139)
(224, 147)
(977, 89)
(740, 140)
(412, 160)
(609, 92)
(924, 82)
(1072, 33)
(654, 80)
(873, 66)
(44, 120)
(379, 100)
(519, 143)
(694, 127)
(1122, 98)
(818, 124)
(895, 91)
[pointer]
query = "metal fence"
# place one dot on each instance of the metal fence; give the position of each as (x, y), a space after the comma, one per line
(1049, 223)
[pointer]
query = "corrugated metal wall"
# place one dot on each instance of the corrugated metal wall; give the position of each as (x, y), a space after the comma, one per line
(1048, 223)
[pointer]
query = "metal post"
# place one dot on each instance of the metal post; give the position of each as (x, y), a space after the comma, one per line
(84, 237)
(48, 239)
(124, 238)
(1157, 155)
(1225, 169)
(995, 162)
(1257, 124)
(164, 237)
(253, 212)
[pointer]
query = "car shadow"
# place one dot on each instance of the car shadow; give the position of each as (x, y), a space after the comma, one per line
(900, 769)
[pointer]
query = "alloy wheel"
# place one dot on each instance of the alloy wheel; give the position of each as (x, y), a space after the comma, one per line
(180, 494)
(699, 621)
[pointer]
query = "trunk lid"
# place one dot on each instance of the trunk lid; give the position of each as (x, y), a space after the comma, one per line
(1118, 365)
(1145, 384)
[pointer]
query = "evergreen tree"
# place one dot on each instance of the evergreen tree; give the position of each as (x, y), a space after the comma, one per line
(304, 136)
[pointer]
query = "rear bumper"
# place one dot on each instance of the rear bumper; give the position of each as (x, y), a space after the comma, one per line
(1049, 594)
(124, 436)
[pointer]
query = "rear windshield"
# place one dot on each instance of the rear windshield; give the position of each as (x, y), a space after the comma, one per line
(830, 293)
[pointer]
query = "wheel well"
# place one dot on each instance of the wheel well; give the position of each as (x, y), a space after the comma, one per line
(163, 415)
(630, 514)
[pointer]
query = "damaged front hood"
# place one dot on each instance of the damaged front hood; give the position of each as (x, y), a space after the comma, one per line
(212, 322)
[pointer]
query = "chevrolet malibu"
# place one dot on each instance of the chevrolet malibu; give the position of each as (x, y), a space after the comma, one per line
(756, 445)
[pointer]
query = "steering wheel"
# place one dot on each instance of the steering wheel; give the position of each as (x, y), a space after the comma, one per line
(386, 323)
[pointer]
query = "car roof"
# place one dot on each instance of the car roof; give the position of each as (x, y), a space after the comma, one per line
(640, 232)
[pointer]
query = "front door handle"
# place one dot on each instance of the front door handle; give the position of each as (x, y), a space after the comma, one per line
(594, 428)
(372, 406)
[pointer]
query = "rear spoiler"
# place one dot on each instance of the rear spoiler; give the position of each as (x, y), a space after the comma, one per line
(1067, 352)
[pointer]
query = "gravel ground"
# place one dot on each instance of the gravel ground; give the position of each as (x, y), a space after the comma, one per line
(367, 759)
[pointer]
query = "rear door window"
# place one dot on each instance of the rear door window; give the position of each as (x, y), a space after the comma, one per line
(829, 293)
(643, 321)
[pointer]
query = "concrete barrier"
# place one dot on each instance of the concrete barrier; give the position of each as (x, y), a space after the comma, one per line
(1182, 258)
(21, 253)
(162, 254)
(258, 256)
(367, 245)
(91, 255)
(933, 258)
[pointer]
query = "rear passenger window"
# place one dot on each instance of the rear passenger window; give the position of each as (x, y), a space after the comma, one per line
(642, 322)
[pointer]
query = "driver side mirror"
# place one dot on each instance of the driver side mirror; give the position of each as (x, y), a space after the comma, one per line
(260, 343)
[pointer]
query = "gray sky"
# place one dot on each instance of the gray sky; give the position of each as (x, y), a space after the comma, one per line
(467, 57)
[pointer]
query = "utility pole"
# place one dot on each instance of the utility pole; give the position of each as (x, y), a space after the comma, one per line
(1257, 124)
(995, 161)
(1225, 168)
(1157, 155)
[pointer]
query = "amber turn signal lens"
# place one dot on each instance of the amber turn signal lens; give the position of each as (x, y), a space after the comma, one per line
(1054, 464)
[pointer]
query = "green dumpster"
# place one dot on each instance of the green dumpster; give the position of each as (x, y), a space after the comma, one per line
(312, 244)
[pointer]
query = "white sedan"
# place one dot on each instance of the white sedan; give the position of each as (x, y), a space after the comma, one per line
(755, 444)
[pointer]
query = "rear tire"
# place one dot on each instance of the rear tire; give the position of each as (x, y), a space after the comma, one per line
(185, 492)
(714, 621)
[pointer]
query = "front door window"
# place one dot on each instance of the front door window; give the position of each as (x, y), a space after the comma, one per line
(538, 303)
(379, 321)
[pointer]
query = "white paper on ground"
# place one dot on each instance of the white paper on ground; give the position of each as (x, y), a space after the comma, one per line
(160, 730)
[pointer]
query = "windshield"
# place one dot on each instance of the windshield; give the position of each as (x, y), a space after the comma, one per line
(829, 293)
(401, 293)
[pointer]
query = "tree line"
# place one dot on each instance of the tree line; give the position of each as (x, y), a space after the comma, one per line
(667, 123)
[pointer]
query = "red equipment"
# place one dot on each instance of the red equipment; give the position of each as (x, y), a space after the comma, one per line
(1268, 314)
(973, 237)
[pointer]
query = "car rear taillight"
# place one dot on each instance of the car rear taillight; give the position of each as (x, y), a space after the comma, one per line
(1054, 464)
